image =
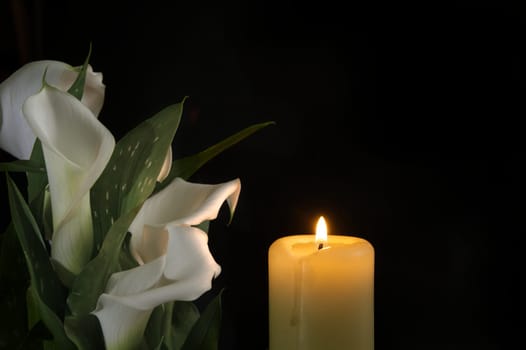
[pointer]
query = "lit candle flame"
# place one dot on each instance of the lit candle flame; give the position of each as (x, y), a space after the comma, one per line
(321, 230)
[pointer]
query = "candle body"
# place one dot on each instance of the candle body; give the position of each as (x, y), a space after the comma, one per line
(321, 299)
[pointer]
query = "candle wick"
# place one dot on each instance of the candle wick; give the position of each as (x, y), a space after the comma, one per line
(320, 246)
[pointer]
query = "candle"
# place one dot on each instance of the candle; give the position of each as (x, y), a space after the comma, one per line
(321, 292)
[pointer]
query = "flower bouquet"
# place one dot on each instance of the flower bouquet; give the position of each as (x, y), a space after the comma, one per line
(107, 242)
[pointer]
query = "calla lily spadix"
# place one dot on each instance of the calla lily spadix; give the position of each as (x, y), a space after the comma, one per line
(175, 262)
(167, 165)
(16, 137)
(76, 149)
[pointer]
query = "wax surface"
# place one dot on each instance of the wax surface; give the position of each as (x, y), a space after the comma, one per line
(321, 299)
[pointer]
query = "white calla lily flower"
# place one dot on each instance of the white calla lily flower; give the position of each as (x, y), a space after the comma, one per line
(76, 149)
(175, 262)
(16, 137)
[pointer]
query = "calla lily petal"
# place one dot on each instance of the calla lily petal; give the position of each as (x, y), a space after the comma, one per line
(122, 322)
(154, 243)
(137, 280)
(183, 203)
(122, 325)
(189, 270)
(190, 260)
(76, 149)
(16, 137)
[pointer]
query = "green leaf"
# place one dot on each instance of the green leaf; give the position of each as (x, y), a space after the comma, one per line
(35, 337)
(22, 166)
(46, 289)
(85, 331)
(205, 225)
(38, 194)
(170, 324)
(186, 167)
(153, 334)
(77, 88)
(41, 209)
(205, 333)
(36, 181)
(91, 282)
(130, 176)
(185, 315)
(33, 316)
(64, 275)
(126, 259)
(52, 322)
(13, 270)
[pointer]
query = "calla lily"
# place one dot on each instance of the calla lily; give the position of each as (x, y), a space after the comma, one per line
(16, 137)
(175, 262)
(76, 149)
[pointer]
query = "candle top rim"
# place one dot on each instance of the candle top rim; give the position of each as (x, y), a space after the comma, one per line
(313, 235)
(306, 245)
(310, 238)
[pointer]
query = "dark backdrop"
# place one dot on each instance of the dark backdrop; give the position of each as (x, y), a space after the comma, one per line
(400, 125)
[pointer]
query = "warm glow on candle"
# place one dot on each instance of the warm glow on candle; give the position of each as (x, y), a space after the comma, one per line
(321, 230)
(321, 292)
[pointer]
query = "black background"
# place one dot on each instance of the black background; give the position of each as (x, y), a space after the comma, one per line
(399, 124)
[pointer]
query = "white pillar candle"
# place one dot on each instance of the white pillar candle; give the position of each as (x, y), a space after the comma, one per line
(321, 293)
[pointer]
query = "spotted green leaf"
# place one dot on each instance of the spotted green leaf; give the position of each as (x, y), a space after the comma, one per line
(130, 176)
